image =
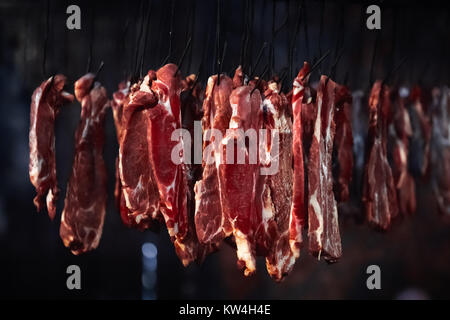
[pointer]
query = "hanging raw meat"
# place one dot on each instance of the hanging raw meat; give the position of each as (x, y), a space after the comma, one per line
(169, 169)
(308, 119)
(212, 223)
(85, 204)
(359, 131)
(276, 158)
(138, 184)
(379, 193)
(164, 118)
(353, 209)
(441, 151)
(120, 98)
(297, 220)
(239, 176)
(154, 181)
(45, 104)
(421, 125)
(343, 143)
(323, 226)
(191, 112)
(404, 182)
(191, 101)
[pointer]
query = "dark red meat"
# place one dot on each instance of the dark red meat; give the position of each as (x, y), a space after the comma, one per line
(298, 210)
(138, 184)
(403, 180)
(212, 224)
(120, 98)
(420, 108)
(241, 183)
(441, 151)
(85, 204)
(323, 226)
(170, 169)
(379, 193)
(45, 104)
(343, 142)
(191, 112)
(276, 157)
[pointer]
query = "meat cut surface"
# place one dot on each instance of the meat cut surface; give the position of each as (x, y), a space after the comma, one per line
(45, 104)
(164, 118)
(404, 182)
(154, 181)
(379, 193)
(297, 220)
(212, 224)
(441, 152)
(343, 144)
(323, 226)
(240, 181)
(170, 177)
(191, 111)
(138, 184)
(85, 204)
(276, 154)
(422, 128)
(120, 98)
(308, 119)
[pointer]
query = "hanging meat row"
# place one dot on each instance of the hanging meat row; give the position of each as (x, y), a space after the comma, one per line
(204, 199)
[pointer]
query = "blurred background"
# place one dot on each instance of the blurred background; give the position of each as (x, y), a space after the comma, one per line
(414, 256)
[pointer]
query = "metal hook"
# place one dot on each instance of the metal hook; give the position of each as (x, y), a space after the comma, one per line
(375, 46)
(170, 33)
(221, 61)
(180, 62)
(305, 29)
(47, 30)
(317, 64)
(149, 12)
(91, 39)
(258, 59)
(216, 64)
(395, 69)
(291, 44)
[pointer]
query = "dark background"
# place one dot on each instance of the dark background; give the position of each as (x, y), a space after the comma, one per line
(414, 256)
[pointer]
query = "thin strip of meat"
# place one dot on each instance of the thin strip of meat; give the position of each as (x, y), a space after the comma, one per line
(403, 180)
(343, 144)
(171, 177)
(309, 114)
(419, 109)
(85, 203)
(441, 151)
(45, 104)
(277, 192)
(241, 185)
(120, 98)
(379, 193)
(138, 184)
(298, 211)
(191, 112)
(323, 226)
(353, 209)
(212, 224)
(165, 117)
